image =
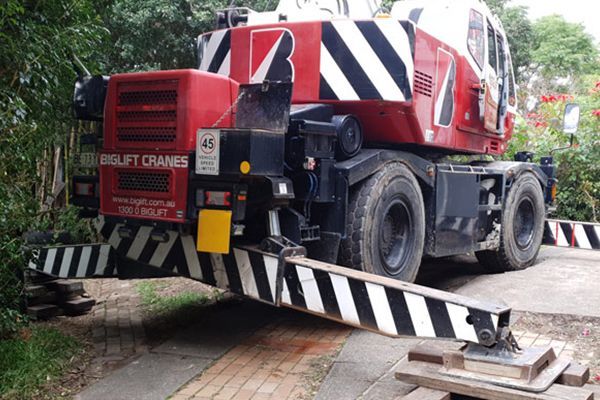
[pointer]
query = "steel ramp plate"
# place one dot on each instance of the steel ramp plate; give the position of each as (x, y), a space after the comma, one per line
(531, 370)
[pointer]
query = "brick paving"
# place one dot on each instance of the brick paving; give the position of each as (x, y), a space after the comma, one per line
(117, 329)
(274, 363)
(532, 339)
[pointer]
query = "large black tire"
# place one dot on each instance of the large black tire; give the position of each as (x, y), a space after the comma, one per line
(522, 228)
(386, 225)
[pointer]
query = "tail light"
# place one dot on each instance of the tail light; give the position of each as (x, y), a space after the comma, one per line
(217, 198)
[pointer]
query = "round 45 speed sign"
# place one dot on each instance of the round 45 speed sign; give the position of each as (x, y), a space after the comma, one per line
(207, 151)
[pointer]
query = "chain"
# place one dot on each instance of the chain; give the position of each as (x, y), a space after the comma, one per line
(229, 110)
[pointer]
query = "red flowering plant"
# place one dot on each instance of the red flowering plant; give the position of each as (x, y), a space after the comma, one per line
(578, 173)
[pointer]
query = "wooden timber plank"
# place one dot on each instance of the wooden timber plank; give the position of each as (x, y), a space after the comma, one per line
(574, 375)
(428, 375)
(432, 351)
(423, 393)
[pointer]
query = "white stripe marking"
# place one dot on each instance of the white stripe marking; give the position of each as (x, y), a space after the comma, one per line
(495, 320)
(211, 49)
(102, 260)
(83, 261)
(335, 77)
(50, 256)
(458, 317)
(581, 237)
(419, 314)
(271, 264)
(99, 223)
(344, 298)
(114, 238)
(597, 229)
(162, 250)
(562, 239)
(381, 308)
(312, 296)
(398, 39)
(368, 60)
(66, 262)
(225, 67)
(285, 294)
(191, 256)
(141, 238)
(246, 273)
(219, 271)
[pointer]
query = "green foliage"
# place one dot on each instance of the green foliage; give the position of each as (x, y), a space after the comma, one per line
(563, 49)
(37, 42)
(154, 302)
(29, 361)
(519, 33)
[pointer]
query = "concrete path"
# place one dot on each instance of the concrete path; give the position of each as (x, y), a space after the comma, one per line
(156, 375)
(365, 366)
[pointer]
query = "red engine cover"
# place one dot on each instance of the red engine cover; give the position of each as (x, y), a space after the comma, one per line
(151, 120)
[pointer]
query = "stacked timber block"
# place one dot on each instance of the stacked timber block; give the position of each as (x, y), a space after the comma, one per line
(57, 297)
(425, 366)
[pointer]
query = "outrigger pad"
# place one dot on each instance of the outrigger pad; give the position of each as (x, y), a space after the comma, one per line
(533, 369)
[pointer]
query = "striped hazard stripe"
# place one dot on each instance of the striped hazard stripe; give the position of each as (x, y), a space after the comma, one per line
(367, 60)
(582, 235)
(76, 261)
(386, 305)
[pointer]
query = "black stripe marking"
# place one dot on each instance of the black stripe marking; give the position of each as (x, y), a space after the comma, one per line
(327, 292)
(440, 318)
(481, 320)
(75, 261)
(293, 283)
(110, 266)
(208, 274)
(260, 276)
(415, 14)
(233, 275)
(388, 56)
(400, 313)
(148, 251)
(281, 68)
(126, 243)
(548, 235)
(348, 64)
(221, 52)
(60, 252)
(41, 260)
(567, 229)
(325, 91)
(178, 258)
(91, 267)
(107, 229)
(592, 236)
(362, 303)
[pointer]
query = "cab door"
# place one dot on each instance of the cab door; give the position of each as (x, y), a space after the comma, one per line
(492, 85)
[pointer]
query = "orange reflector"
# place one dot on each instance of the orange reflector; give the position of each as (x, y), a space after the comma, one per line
(244, 167)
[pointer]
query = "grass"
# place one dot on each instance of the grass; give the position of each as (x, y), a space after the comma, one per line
(155, 302)
(28, 362)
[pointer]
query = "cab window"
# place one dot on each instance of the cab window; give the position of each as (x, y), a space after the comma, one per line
(475, 38)
(501, 56)
(492, 58)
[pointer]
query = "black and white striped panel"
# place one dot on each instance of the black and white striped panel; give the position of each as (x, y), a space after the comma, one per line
(246, 272)
(367, 60)
(582, 235)
(384, 305)
(77, 261)
(214, 52)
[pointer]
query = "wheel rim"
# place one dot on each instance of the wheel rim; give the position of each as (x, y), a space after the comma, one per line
(524, 224)
(394, 237)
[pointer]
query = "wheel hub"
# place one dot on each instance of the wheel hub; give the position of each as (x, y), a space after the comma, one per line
(524, 223)
(394, 239)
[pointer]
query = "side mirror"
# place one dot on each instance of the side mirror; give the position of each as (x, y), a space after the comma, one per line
(571, 118)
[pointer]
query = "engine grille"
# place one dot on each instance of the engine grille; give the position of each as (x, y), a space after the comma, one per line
(423, 83)
(147, 114)
(158, 182)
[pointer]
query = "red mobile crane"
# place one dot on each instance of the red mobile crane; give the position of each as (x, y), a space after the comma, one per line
(315, 134)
